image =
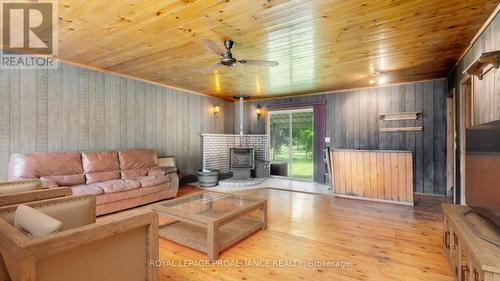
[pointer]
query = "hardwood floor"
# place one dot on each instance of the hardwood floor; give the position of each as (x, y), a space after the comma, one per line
(380, 241)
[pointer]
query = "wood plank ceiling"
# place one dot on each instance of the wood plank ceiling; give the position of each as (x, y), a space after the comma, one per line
(321, 45)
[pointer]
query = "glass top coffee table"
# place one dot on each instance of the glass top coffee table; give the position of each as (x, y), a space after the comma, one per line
(211, 222)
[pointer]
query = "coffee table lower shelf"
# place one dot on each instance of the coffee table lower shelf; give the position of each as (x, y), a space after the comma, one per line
(196, 237)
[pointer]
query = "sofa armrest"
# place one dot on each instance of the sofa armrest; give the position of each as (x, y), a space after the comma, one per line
(168, 170)
(162, 171)
(34, 195)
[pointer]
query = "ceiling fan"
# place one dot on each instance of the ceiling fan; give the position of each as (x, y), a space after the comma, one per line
(227, 56)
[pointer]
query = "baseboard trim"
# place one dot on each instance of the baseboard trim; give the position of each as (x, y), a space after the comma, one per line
(374, 200)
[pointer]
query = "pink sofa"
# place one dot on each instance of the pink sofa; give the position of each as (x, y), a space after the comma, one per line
(119, 179)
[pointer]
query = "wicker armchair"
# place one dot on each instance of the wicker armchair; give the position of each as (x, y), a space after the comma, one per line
(115, 247)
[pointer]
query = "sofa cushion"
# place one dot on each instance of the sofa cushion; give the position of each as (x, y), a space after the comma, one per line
(117, 196)
(85, 189)
(36, 165)
(148, 181)
(137, 159)
(100, 166)
(67, 180)
(134, 173)
(35, 223)
(46, 183)
(118, 185)
(102, 176)
(100, 161)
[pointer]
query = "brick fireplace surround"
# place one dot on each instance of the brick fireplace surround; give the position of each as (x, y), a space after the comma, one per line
(216, 149)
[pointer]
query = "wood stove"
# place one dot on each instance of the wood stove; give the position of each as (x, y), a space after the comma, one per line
(242, 158)
(242, 161)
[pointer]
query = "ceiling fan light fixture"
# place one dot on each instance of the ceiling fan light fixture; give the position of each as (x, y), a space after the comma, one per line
(227, 56)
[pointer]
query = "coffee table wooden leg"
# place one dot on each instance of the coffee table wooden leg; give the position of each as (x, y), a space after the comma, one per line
(263, 215)
(213, 242)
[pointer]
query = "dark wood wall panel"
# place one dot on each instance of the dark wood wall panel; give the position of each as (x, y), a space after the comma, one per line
(352, 121)
(75, 109)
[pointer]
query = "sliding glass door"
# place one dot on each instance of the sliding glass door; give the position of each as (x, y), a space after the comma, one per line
(291, 134)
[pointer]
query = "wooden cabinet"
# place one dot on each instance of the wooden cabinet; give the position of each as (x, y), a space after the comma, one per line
(470, 257)
(378, 175)
(474, 271)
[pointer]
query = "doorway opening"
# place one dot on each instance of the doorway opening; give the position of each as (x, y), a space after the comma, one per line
(291, 143)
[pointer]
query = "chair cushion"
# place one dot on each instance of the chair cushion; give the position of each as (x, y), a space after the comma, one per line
(19, 186)
(73, 211)
(100, 166)
(39, 164)
(118, 185)
(85, 189)
(148, 181)
(67, 180)
(35, 223)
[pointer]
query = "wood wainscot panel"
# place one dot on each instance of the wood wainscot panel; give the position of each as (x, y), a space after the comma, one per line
(378, 175)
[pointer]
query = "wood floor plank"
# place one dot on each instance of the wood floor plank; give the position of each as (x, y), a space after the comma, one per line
(380, 241)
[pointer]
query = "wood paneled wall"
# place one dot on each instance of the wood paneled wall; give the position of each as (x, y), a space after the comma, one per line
(373, 174)
(352, 121)
(75, 109)
(486, 92)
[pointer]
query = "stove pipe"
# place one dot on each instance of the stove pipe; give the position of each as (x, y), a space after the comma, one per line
(241, 98)
(241, 116)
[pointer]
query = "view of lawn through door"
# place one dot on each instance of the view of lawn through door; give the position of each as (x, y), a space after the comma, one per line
(291, 135)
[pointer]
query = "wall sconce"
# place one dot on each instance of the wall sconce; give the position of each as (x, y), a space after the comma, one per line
(216, 110)
(258, 111)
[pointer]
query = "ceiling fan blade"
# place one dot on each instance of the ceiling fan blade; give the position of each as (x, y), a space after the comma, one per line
(213, 46)
(260, 62)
